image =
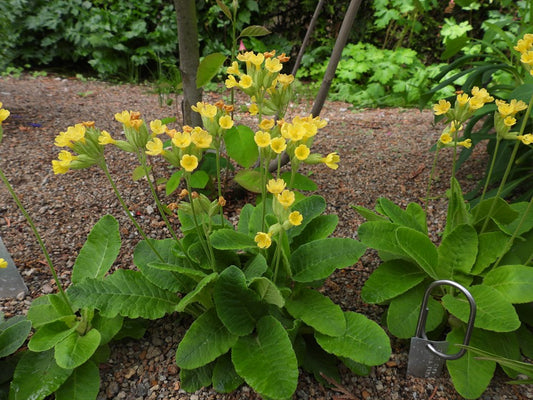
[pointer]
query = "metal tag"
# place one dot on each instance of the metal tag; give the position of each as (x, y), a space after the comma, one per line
(427, 357)
(422, 361)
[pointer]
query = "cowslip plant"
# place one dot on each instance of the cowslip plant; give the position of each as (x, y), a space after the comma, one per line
(251, 288)
(487, 248)
(68, 342)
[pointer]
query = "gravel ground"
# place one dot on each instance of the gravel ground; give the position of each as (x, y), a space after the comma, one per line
(384, 152)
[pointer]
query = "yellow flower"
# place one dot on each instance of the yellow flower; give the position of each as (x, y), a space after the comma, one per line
(157, 127)
(253, 109)
(331, 160)
(181, 139)
(509, 121)
(293, 132)
(518, 105)
(154, 147)
(276, 186)
(3, 114)
(476, 103)
(319, 122)
(523, 46)
(257, 59)
(76, 133)
(462, 99)
(262, 139)
(278, 145)
(266, 124)
(263, 240)
(62, 165)
(467, 143)
(442, 107)
(3, 263)
(504, 108)
(189, 163)
(286, 198)
(225, 122)
(205, 109)
(482, 94)
(105, 138)
(527, 58)
(302, 152)
(273, 65)
(285, 80)
(63, 140)
(231, 82)
(246, 82)
(526, 139)
(445, 138)
(234, 69)
(295, 218)
(201, 138)
(244, 56)
(136, 123)
(123, 117)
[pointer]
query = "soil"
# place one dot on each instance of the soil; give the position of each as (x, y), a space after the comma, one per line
(384, 153)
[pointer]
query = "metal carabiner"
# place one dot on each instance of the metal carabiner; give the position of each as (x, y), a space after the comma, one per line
(421, 326)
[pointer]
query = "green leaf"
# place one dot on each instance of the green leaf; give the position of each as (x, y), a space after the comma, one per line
(457, 212)
(317, 311)
(363, 341)
(99, 251)
(244, 219)
(318, 259)
(319, 227)
(457, 252)
(206, 339)
(300, 182)
(494, 311)
(266, 360)
(401, 217)
(208, 68)
(267, 290)
(310, 207)
(420, 248)
(470, 376)
(108, 327)
(254, 30)
(201, 293)
(76, 349)
(199, 179)
(381, 235)
(49, 335)
(491, 245)
(369, 215)
(139, 173)
(241, 146)
(391, 279)
(404, 310)
(250, 180)
(313, 358)
(256, 267)
(228, 239)
(225, 9)
(501, 214)
(237, 306)
(37, 375)
(42, 312)
(173, 182)
(13, 333)
(83, 384)
(225, 378)
(514, 282)
(195, 379)
(125, 293)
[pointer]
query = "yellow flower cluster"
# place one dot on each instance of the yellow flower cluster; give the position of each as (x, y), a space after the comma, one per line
(525, 48)
(3, 113)
(3, 263)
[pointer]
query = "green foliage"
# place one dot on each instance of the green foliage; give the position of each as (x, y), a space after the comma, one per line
(368, 76)
(412, 261)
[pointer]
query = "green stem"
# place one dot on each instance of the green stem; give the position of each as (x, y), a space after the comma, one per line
(37, 235)
(104, 168)
(277, 257)
(489, 175)
(263, 190)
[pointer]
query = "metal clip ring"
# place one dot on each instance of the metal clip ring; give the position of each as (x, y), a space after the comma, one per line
(421, 326)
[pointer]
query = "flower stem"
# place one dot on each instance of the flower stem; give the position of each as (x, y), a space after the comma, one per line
(37, 235)
(489, 175)
(431, 175)
(104, 168)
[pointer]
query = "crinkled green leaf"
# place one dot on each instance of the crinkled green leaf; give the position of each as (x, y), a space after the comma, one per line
(76, 349)
(206, 339)
(266, 360)
(317, 311)
(49, 335)
(241, 146)
(363, 341)
(491, 245)
(225, 378)
(391, 279)
(83, 384)
(125, 293)
(420, 248)
(318, 259)
(457, 252)
(200, 294)
(229, 239)
(515, 282)
(13, 333)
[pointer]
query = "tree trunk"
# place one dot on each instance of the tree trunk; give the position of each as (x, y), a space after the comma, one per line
(189, 55)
